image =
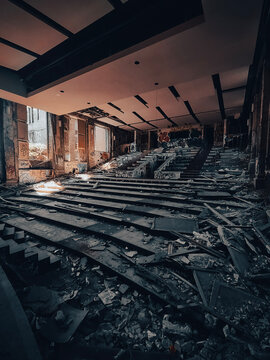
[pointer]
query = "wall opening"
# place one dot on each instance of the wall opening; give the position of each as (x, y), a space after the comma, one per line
(37, 121)
(101, 139)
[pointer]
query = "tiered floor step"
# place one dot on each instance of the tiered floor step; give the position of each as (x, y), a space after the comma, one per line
(15, 248)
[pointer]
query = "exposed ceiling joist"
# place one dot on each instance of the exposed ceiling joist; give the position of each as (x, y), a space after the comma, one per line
(42, 17)
(217, 86)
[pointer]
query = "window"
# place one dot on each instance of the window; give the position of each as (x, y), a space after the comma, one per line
(101, 139)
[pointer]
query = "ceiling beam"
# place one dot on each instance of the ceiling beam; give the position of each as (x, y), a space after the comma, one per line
(217, 86)
(18, 47)
(105, 39)
(188, 106)
(39, 15)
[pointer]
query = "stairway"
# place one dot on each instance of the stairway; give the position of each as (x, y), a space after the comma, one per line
(195, 166)
(182, 161)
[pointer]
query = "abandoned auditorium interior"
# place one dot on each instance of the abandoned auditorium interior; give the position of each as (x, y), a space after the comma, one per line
(134, 179)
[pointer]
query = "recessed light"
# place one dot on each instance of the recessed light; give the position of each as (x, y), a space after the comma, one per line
(136, 62)
(61, 91)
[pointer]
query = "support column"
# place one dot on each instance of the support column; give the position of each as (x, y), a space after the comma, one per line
(225, 131)
(253, 145)
(263, 127)
(2, 149)
(10, 141)
(149, 140)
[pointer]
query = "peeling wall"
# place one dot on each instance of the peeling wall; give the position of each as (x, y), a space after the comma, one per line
(71, 145)
(10, 141)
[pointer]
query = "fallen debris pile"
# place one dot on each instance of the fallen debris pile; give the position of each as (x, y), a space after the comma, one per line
(181, 266)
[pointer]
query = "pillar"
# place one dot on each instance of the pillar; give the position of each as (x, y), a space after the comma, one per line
(262, 127)
(149, 140)
(254, 129)
(9, 142)
(225, 131)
